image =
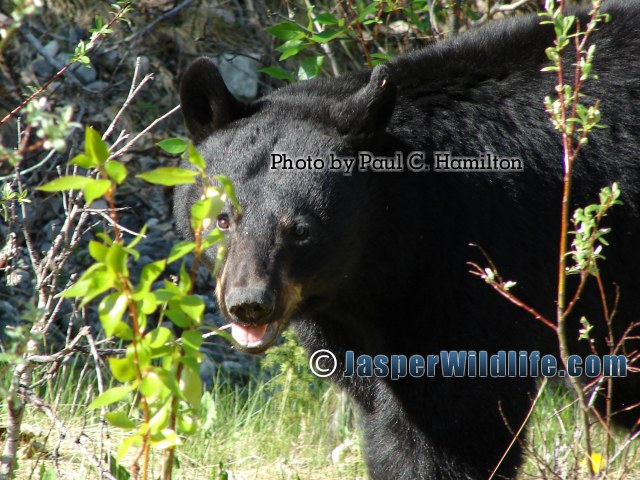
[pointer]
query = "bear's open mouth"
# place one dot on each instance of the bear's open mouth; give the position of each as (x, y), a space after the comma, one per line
(255, 338)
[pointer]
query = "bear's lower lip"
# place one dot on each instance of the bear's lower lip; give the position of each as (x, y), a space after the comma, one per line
(255, 338)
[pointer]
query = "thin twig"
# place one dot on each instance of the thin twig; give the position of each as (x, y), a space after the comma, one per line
(524, 422)
(161, 18)
(150, 127)
(50, 60)
(510, 7)
(61, 72)
(133, 91)
(64, 432)
(326, 48)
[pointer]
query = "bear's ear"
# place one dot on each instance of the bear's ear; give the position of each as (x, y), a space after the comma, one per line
(206, 103)
(365, 113)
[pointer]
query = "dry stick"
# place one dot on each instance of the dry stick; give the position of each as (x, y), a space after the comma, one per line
(133, 91)
(105, 214)
(569, 156)
(161, 18)
(360, 34)
(37, 402)
(515, 437)
(432, 19)
(59, 356)
(499, 287)
(61, 72)
(21, 374)
(45, 270)
(137, 137)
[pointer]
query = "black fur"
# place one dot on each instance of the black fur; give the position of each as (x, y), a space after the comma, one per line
(383, 269)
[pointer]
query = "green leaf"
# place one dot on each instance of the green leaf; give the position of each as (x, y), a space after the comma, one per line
(174, 146)
(310, 68)
(195, 158)
(229, 190)
(101, 281)
(150, 274)
(326, 35)
(169, 379)
(193, 306)
(70, 182)
(370, 9)
(192, 341)
(191, 386)
(111, 310)
(116, 170)
(382, 56)
(160, 420)
(179, 250)
(92, 283)
(291, 51)
(111, 396)
(186, 424)
(97, 250)
(147, 302)
(169, 176)
(94, 146)
(286, 31)
(213, 237)
(326, 19)
(220, 254)
(141, 352)
(95, 190)
(127, 443)
(164, 294)
(277, 72)
(184, 280)
(177, 317)
(120, 420)
(116, 259)
(159, 337)
(167, 438)
(152, 386)
(84, 161)
(123, 369)
(204, 212)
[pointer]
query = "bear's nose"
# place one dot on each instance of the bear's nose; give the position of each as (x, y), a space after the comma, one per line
(250, 305)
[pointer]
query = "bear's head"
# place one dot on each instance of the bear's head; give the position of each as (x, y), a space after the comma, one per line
(302, 229)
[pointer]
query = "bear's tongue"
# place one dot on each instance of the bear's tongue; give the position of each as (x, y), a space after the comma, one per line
(246, 336)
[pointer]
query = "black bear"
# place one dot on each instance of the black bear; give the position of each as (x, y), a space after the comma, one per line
(356, 226)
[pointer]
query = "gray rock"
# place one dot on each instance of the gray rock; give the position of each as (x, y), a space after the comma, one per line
(52, 48)
(86, 74)
(225, 14)
(98, 86)
(42, 68)
(240, 73)
(8, 315)
(108, 60)
(208, 372)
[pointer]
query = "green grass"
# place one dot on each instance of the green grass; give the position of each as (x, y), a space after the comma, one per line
(292, 426)
(275, 431)
(553, 443)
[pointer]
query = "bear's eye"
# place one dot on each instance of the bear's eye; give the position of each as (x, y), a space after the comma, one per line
(301, 231)
(223, 221)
